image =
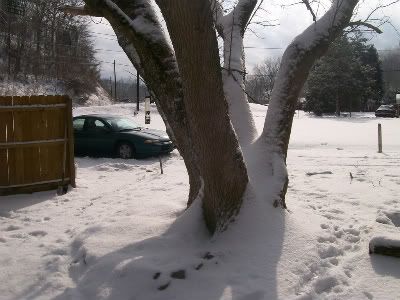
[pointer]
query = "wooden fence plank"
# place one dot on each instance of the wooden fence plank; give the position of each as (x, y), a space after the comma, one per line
(31, 154)
(55, 130)
(49, 154)
(19, 132)
(5, 131)
(37, 125)
(43, 134)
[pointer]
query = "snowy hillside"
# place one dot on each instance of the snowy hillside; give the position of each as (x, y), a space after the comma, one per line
(121, 233)
(52, 87)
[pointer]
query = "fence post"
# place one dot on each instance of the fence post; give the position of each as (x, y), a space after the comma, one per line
(379, 138)
(70, 133)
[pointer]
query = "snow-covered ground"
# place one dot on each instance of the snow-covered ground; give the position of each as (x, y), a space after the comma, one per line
(121, 233)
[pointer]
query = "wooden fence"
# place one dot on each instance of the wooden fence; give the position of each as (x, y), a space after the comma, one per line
(36, 144)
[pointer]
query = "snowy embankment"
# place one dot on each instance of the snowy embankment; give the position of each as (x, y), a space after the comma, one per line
(121, 234)
(52, 87)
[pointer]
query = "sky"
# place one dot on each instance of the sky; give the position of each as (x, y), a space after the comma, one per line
(289, 20)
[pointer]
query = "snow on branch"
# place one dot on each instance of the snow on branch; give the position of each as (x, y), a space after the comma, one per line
(141, 19)
(240, 15)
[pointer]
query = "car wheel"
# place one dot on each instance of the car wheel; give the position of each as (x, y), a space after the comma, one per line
(125, 151)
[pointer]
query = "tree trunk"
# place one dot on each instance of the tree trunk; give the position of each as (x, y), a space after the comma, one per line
(160, 73)
(220, 160)
(337, 111)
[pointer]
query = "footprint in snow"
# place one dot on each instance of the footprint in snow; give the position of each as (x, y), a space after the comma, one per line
(38, 233)
(324, 226)
(12, 228)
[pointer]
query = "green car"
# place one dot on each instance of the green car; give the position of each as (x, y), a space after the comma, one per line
(120, 136)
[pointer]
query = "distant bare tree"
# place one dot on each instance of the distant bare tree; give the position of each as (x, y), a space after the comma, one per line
(260, 82)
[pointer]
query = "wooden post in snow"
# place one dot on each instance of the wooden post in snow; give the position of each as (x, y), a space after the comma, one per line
(384, 246)
(379, 138)
(161, 166)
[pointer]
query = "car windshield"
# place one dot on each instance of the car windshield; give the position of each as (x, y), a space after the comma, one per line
(385, 107)
(121, 124)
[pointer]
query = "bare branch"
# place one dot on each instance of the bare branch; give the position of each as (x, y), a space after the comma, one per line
(307, 4)
(380, 7)
(254, 13)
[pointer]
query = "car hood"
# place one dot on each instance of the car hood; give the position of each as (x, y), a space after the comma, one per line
(147, 133)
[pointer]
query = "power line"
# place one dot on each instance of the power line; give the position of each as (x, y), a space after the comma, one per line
(100, 33)
(264, 48)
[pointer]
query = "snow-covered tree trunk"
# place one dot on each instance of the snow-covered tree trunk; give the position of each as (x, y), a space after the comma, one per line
(193, 99)
(296, 64)
(231, 27)
(221, 165)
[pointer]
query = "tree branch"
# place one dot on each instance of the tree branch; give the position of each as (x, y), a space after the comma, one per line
(307, 4)
(380, 7)
(296, 64)
(218, 15)
(365, 24)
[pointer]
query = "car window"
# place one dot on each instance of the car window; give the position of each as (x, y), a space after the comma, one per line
(95, 125)
(78, 124)
(99, 124)
(123, 124)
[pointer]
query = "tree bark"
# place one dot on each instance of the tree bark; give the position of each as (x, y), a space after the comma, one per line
(220, 160)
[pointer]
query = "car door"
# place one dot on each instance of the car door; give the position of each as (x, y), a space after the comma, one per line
(79, 136)
(99, 136)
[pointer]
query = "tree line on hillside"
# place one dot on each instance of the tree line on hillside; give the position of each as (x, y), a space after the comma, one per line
(126, 89)
(39, 40)
(350, 77)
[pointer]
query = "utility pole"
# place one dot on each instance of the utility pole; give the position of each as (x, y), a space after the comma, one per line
(115, 83)
(111, 89)
(137, 90)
